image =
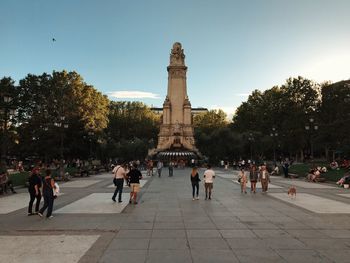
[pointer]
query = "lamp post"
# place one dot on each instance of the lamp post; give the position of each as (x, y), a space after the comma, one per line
(273, 135)
(251, 139)
(6, 113)
(311, 127)
(91, 134)
(61, 125)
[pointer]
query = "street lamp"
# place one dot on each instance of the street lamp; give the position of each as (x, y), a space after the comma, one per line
(6, 113)
(273, 135)
(311, 127)
(91, 134)
(251, 139)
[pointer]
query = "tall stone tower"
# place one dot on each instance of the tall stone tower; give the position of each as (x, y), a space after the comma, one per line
(176, 131)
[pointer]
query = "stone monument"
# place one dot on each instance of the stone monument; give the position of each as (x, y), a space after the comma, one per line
(176, 133)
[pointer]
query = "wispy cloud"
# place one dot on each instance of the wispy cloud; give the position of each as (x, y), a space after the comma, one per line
(128, 94)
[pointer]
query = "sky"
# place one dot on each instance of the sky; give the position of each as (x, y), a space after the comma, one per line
(122, 47)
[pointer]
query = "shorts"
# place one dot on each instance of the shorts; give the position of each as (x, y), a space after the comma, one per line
(135, 188)
(208, 186)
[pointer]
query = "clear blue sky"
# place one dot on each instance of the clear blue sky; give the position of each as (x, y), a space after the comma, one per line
(232, 47)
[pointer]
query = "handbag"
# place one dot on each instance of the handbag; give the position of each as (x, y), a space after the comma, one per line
(239, 179)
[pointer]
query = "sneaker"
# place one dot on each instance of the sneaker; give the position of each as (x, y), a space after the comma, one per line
(193, 199)
(50, 217)
(209, 198)
(130, 201)
(30, 214)
(40, 214)
(197, 198)
(120, 201)
(114, 200)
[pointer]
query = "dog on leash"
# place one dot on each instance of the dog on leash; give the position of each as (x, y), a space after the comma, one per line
(292, 192)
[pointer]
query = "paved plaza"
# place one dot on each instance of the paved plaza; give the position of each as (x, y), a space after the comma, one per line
(167, 226)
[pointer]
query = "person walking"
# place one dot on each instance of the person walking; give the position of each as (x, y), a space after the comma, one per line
(48, 193)
(253, 177)
(150, 168)
(264, 178)
(119, 175)
(209, 176)
(34, 187)
(171, 169)
(134, 177)
(159, 168)
(195, 183)
(243, 180)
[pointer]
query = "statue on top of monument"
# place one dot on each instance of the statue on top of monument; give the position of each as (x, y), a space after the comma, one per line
(177, 56)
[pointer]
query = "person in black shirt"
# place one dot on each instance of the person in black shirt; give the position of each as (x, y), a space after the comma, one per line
(134, 177)
(34, 190)
(48, 187)
(195, 182)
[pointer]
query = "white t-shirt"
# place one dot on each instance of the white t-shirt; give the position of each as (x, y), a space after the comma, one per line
(209, 176)
(119, 172)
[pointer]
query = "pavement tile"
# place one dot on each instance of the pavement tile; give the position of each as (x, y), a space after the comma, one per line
(217, 256)
(169, 256)
(168, 243)
(129, 233)
(246, 243)
(208, 243)
(257, 255)
(169, 225)
(325, 243)
(206, 233)
(302, 255)
(306, 233)
(237, 233)
(129, 243)
(168, 233)
(124, 256)
(283, 243)
(264, 233)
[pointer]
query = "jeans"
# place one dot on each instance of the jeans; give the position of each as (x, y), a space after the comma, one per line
(119, 189)
(194, 186)
(48, 203)
(171, 170)
(32, 198)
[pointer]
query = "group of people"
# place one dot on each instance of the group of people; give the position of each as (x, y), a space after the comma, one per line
(208, 176)
(256, 174)
(132, 176)
(39, 187)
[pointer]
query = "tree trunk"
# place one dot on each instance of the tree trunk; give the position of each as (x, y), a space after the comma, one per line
(327, 153)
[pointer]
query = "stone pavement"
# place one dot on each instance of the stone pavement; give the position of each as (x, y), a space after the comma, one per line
(167, 226)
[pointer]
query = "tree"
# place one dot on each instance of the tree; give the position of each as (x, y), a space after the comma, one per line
(334, 114)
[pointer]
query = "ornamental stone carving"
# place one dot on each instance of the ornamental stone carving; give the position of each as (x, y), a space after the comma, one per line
(177, 56)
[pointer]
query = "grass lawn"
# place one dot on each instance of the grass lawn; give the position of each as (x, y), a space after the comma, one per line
(303, 168)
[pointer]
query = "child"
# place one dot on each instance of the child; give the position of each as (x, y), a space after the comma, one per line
(243, 180)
